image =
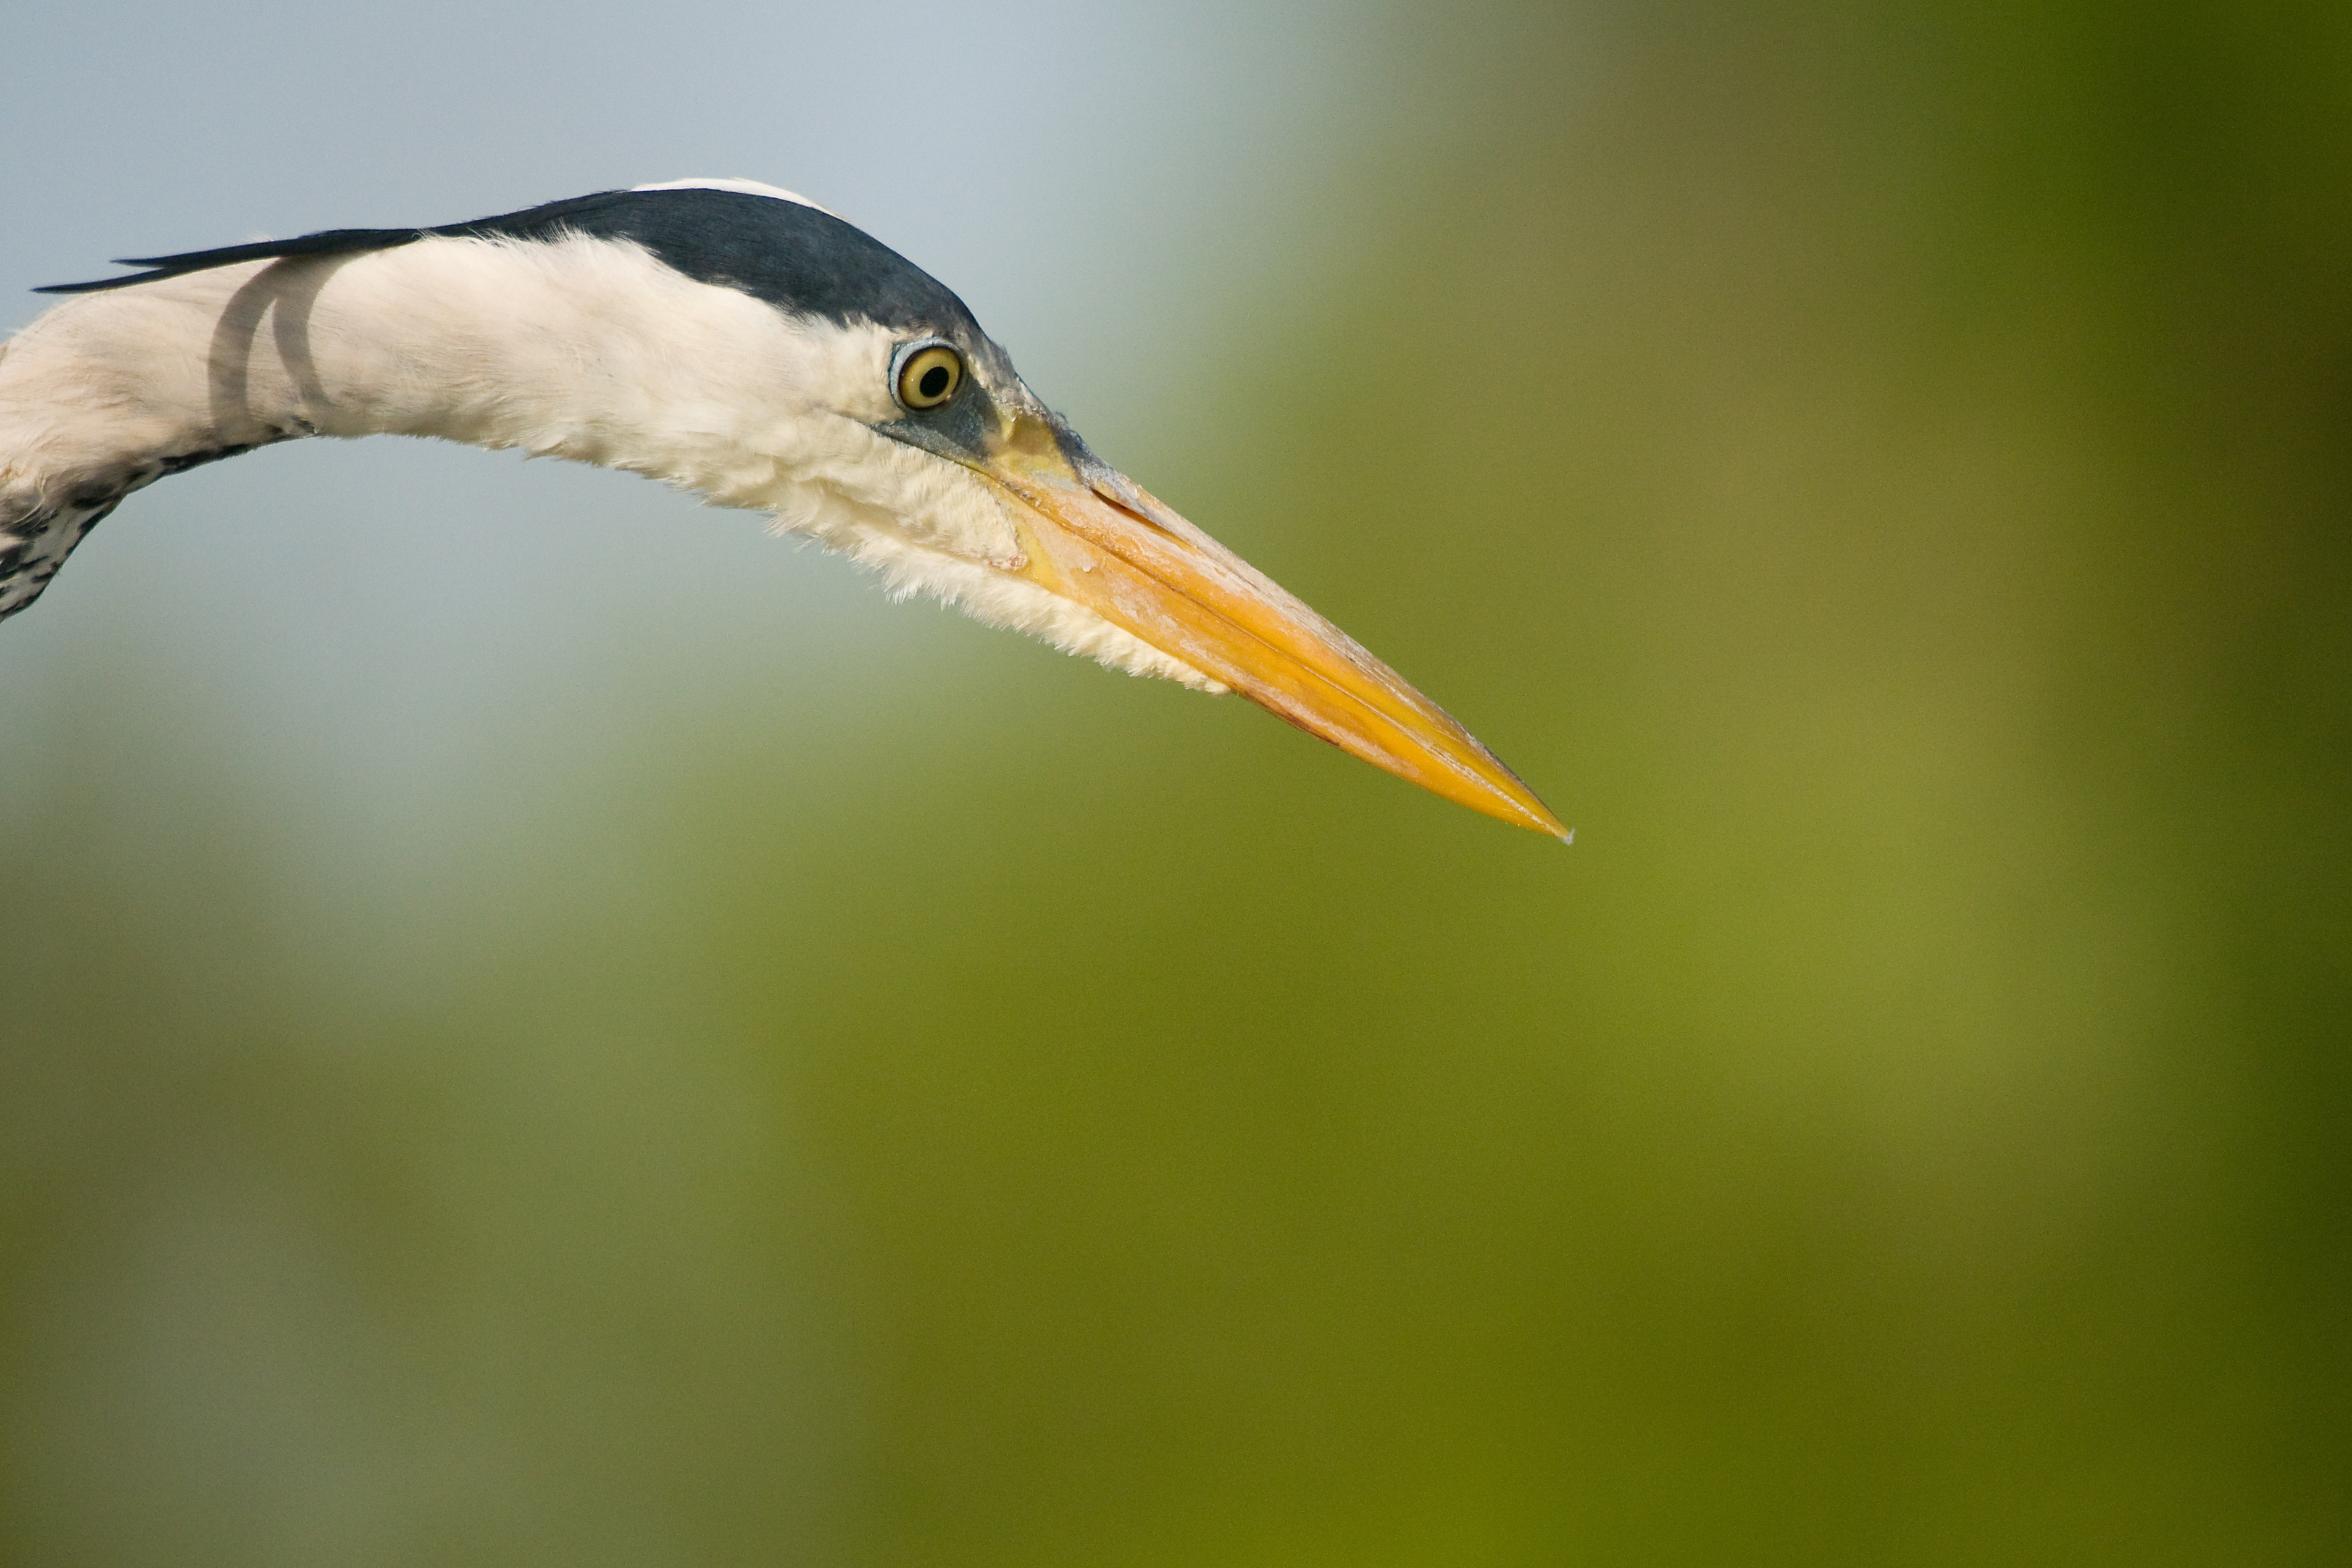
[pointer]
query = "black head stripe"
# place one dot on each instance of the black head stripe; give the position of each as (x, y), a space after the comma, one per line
(791, 255)
(333, 242)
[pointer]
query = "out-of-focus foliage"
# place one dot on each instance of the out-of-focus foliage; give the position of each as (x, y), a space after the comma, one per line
(1881, 471)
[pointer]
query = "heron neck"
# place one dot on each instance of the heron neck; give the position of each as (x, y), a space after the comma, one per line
(584, 351)
(110, 391)
(581, 349)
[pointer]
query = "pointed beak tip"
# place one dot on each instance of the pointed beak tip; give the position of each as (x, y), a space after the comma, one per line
(1534, 815)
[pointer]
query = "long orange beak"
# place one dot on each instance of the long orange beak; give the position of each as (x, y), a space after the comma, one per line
(1102, 540)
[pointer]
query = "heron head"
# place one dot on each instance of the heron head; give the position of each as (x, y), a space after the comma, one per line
(1107, 551)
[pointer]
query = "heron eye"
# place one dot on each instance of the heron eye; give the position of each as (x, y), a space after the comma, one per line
(930, 377)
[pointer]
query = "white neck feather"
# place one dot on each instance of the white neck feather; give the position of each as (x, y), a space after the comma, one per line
(583, 349)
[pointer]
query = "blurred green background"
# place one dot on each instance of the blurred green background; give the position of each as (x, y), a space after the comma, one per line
(852, 1088)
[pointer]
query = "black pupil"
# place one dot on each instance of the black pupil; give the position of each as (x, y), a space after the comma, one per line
(933, 381)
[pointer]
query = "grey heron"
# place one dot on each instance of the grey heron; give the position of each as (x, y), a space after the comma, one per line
(728, 338)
